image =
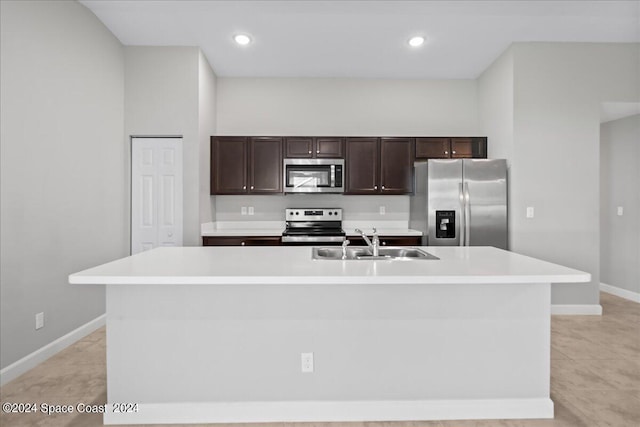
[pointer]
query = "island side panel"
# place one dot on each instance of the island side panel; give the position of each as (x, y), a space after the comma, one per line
(240, 343)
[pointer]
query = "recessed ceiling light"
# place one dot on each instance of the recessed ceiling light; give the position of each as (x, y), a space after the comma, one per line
(416, 41)
(242, 39)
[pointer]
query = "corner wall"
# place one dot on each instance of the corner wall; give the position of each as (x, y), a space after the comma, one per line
(206, 128)
(620, 186)
(63, 168)
(162, 99)
(558, 89)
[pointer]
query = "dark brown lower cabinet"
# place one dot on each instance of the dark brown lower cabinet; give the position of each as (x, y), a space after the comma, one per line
(388, 240)
(241, 241)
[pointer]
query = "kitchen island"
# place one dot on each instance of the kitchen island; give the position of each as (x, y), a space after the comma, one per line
(214, 334)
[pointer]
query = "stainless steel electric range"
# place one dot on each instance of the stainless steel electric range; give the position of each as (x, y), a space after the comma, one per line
(313, 226)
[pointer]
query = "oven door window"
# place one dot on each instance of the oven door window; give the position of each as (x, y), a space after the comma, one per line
(308, 176)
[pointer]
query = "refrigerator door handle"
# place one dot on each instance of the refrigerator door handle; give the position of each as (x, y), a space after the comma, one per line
(467, 215)
(463, 211)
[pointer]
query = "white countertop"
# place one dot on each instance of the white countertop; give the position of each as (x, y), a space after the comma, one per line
(275, 228)
(277, 265)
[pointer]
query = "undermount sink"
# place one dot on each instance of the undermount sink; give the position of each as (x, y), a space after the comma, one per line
(365, 253)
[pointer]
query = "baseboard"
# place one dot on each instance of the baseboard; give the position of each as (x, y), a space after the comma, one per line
(32, 360)
(577, 309)
(331, 411)
(619, 292)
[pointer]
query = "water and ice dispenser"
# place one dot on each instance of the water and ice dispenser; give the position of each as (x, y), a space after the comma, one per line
(445, 224)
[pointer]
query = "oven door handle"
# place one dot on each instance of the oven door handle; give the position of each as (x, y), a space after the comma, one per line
(313, 239)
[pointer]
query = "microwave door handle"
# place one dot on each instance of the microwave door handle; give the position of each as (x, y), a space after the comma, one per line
(333, 176)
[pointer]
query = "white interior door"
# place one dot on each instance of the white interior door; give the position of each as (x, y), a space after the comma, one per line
(156, 193)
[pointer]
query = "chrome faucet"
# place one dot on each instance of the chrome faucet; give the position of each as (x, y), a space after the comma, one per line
(374, 244)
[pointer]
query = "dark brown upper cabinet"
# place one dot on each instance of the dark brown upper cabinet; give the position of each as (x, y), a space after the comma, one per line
(396, 165)
(362, 166)
(379, 165)
(306, 147)
(451, 148)
(246, 165)
(229, 165)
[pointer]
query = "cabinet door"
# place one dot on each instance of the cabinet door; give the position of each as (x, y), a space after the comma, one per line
(329, 148)
(299, 147)
(461, 148)
(362, 168)
(479, 147)
(228, 165)
(265, 165)
(433, 148)
(240, 241)
(400, 241)
(396, 165)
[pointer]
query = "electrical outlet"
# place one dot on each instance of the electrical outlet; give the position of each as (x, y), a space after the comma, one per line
(243, 210)
(530, 212)
(383, 210)
(307, 362)
(250, 210)
(620, 211)
(39, 320)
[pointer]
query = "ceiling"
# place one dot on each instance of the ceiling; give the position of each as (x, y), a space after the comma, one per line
(363, 39)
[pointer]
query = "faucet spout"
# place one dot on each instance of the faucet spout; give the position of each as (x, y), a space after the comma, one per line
(373, 245)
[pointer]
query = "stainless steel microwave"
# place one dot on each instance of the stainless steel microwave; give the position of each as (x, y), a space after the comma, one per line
(313, 175)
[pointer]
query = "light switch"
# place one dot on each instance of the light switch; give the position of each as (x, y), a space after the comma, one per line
(530, 212)
(251, 210)
(383, 210)
(620, 211)
(243, 210)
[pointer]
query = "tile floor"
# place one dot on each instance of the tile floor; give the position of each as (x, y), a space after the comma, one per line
(595, 377)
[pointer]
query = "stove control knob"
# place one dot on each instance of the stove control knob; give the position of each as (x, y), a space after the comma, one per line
(330, 213)
(297, 213)
(335, 213)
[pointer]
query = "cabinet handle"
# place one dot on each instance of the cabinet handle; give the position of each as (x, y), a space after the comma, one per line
(375, 187)
(383, 187)
(454, 151)
(241, 243)
(384, 243)
(317, 151)
(446, 152)
(309, 151)
(244, 187)
(252, 187)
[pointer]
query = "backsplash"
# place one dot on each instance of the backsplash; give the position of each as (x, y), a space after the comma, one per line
(271, 208)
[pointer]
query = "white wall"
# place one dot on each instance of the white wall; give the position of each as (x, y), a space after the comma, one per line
(558, 89)
(206, 128)
(162, 99)
(495, 111)
(620, 186)
(63, 168)
(343, 107)
(356, 208)
(272, 106)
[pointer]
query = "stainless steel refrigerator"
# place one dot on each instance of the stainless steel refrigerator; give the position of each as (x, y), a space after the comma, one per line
(461, 202)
